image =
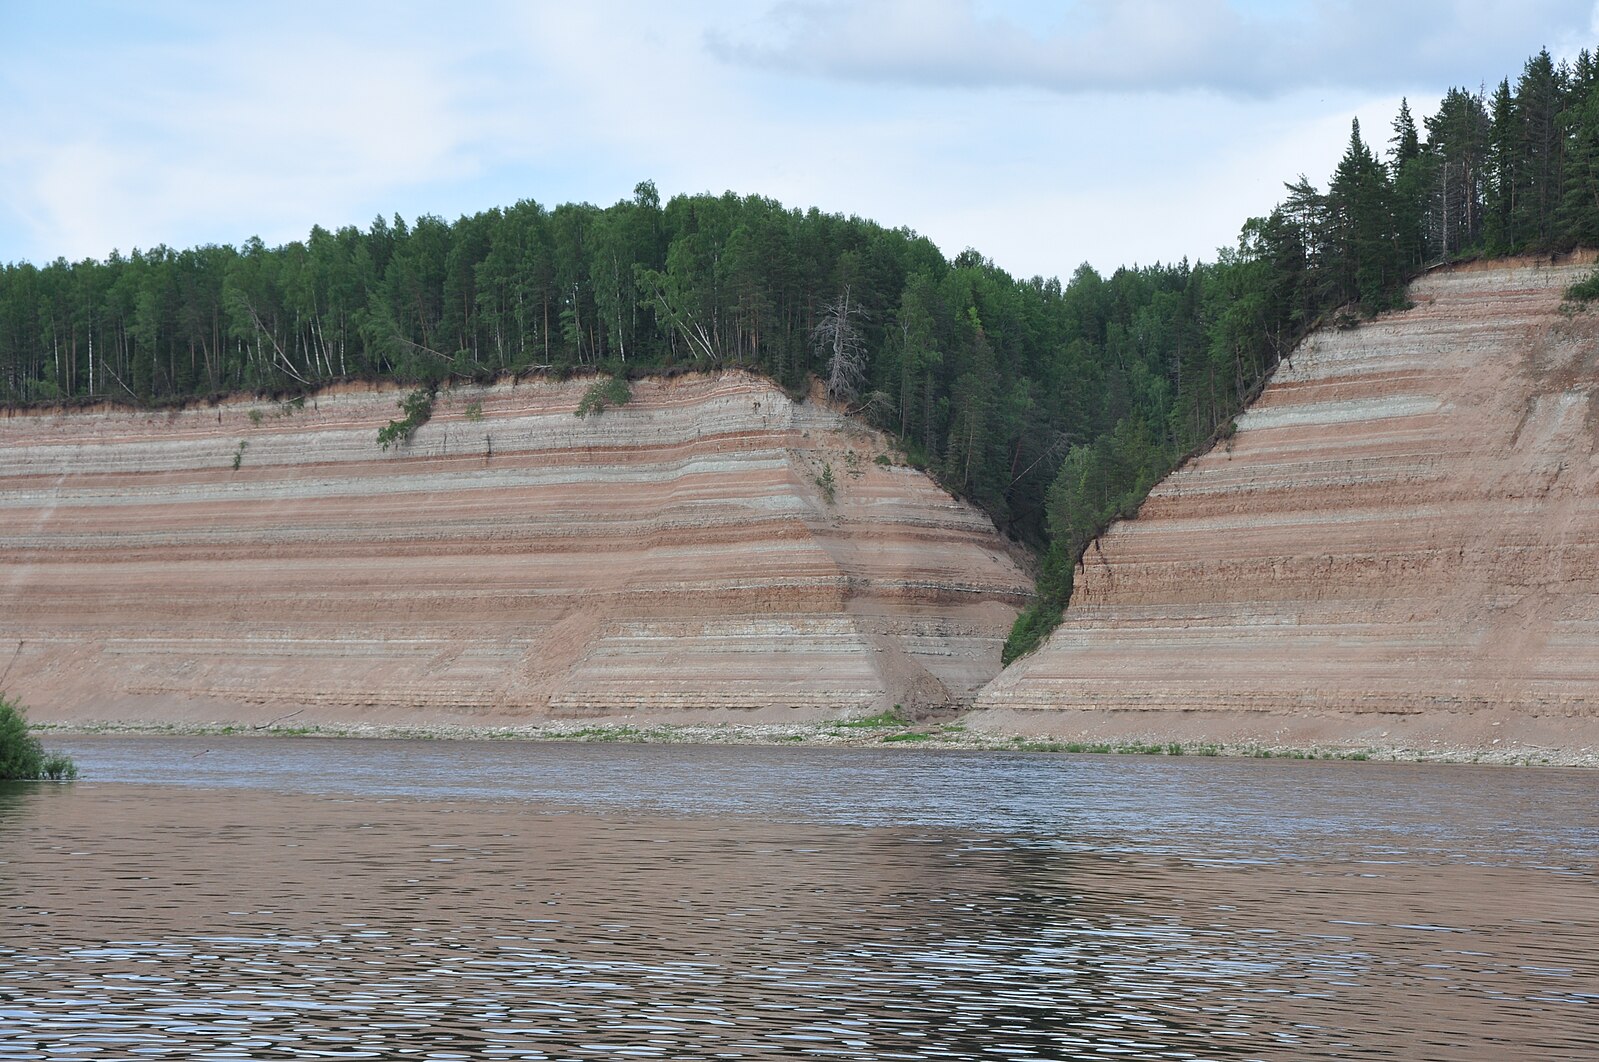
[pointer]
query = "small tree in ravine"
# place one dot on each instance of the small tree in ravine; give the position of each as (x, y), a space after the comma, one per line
(827, 484)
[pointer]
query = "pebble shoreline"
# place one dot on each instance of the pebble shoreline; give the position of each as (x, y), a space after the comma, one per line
(849, 734)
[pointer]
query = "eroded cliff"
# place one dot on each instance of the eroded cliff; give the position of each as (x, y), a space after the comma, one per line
(1400, 544)
(674, 558)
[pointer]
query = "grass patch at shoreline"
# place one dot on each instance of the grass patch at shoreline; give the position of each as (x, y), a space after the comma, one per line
(880, 721)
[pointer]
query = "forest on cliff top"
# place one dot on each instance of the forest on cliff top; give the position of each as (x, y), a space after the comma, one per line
(1054, 406)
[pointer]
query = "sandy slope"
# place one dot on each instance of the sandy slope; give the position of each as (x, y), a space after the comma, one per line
(1401, 544)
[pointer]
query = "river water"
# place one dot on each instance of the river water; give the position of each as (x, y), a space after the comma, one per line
(338, 899)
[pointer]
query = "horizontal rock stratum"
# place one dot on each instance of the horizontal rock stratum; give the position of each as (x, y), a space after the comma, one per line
(1400, 543)
(674, 557)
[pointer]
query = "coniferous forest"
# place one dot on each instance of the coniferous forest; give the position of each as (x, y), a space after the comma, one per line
(1054, 406)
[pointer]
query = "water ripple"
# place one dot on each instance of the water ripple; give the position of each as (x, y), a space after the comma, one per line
(1102, 916)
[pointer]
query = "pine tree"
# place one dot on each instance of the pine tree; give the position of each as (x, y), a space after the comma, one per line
(1412, 173)
(1458, 143)
(1406, 144)
(1537, 142)
(1501, 214)
(1365, 264)
(1579, 204)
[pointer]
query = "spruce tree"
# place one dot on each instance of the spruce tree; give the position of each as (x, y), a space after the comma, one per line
(1579, 203)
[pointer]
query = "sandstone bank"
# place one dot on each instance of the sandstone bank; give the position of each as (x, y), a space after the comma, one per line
(1399, 545)
(674, 558)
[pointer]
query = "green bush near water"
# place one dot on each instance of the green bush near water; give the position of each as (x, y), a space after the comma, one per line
(21, 755)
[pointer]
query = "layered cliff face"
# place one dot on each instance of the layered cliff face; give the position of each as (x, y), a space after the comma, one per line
(1401, 542)
(674, 557)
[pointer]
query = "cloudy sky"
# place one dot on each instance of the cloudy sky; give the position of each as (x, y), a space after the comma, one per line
(1044, 134)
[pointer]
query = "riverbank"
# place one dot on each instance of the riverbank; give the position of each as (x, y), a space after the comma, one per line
(874, 732)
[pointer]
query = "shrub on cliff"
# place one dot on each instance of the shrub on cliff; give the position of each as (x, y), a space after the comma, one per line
(612, 391)
(1585, 290)
(418, 408)
(21, 755)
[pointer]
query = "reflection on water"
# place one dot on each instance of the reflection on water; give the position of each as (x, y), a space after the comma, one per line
(350, 900)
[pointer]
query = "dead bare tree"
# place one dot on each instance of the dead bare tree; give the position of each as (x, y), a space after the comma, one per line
(838, 339)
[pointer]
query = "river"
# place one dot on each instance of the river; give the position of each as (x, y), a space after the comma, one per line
(220, 898)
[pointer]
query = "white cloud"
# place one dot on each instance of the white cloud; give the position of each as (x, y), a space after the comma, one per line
(246, 130)
(1154, 45)
(213, 123)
